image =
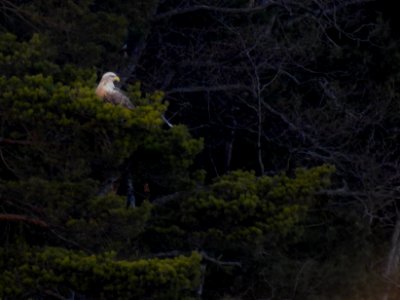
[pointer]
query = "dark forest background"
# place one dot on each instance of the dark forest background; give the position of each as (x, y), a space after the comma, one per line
(280, 178)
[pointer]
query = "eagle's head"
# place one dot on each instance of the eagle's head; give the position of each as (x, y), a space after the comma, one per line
(109, 77)
(106, 84)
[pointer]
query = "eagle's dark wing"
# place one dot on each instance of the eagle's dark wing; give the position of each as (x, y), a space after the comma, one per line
(118, 98)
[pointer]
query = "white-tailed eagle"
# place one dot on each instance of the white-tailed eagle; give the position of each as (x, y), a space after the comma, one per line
(107, 91)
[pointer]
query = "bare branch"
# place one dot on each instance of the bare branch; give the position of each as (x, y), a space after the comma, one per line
(22, 218)
(197, 89)
(14, 142)
(220, 262)
(228, 10)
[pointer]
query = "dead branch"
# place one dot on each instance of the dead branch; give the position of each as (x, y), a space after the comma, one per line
(14, 142)
(227, 10)
(220, 262)
(197, 89)
(22, 218)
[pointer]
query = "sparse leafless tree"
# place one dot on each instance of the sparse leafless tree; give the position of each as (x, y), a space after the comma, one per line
(253, 75)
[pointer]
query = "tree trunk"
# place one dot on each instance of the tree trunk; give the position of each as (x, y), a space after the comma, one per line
(393, 260)
(259, 135)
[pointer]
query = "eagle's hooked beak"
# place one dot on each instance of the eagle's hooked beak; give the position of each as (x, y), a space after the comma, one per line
(116, 78)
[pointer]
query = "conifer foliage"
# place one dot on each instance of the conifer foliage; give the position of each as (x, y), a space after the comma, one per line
(278, 180)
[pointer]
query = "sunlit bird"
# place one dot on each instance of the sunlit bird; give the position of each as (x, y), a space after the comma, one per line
(107, 91)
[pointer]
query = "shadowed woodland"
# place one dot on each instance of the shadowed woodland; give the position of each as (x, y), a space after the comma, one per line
(279, 178)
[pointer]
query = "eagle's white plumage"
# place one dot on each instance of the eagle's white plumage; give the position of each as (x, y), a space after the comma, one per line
(107, 91)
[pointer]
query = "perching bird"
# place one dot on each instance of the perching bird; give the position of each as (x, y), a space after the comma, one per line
(107, 91)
